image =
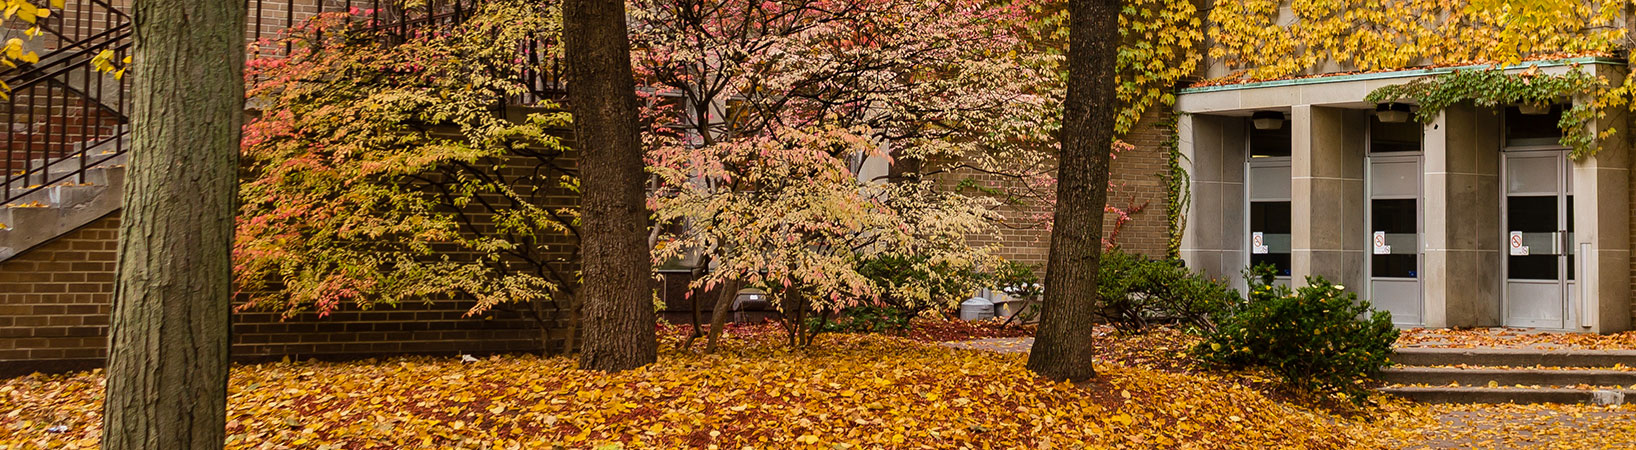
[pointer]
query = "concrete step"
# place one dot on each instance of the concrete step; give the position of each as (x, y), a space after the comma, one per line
(69, 164)
(1478, 377)
(45, 214)
(1513, 357)
(70, 193)
(1462, 394)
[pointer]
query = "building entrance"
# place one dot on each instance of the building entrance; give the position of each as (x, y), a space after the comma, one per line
(1268, 185)
(1538, 212)
(1394, 236)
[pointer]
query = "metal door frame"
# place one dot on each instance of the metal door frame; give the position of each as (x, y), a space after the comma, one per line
(1420, 222)
(1564, 192)
(1250, 163)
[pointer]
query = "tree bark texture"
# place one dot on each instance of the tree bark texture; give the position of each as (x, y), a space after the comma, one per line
(168, 351)
(618, 291)
(1062, 347)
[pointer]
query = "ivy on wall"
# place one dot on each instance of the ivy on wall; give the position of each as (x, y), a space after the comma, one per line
(1178, 189)
(1277, 39)
(1265, 39)
(1494, 87)
(1162, 44)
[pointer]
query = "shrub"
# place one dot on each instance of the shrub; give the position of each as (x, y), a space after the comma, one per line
(1317, 337)
(905, 287)
(866, 319)
(1137, 292)
(913, 284)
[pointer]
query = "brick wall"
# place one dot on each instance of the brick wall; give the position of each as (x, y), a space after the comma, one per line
(55, 301)
(1136, 177)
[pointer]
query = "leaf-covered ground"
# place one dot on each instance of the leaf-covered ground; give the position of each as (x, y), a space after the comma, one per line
(849, 391)
(1514, 338)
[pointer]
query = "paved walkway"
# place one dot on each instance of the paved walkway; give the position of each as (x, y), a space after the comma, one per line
(1001, 345)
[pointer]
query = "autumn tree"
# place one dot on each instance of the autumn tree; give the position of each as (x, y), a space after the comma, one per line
(380, 173)
(780, 104)
(168, 351)
(1063, 348)
(618, 309)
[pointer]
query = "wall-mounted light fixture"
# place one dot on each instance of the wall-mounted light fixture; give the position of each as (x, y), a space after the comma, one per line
(1534, 109)
(1267, 120)
(1392, 112)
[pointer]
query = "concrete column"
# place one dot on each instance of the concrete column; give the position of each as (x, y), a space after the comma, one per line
(1214, 241)
(1602, 209)
(1328, 236)
(1461, 247)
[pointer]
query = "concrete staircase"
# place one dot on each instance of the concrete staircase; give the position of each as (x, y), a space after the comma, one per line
(55, 210)
(1454, 375)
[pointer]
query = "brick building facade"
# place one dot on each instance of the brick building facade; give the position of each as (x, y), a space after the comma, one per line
(55, 301)
(1138, 183)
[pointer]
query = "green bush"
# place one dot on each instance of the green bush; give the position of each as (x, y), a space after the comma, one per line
(1137, 292)
(913, 284)
(1317, 337)
(907, 286)
(865, 319)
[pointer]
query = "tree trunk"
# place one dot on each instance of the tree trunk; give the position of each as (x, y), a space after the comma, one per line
(618, 295)
(696, 297)
(570, 339)
(1062, 347)
(718, 316)
(168, 350)
(545, 322)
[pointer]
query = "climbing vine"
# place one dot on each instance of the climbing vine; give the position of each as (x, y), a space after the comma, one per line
(1495, 87)
(1178, 194)
(1161, 46)
(1261, 39)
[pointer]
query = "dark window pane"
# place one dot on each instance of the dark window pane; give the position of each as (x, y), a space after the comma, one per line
(1531, 267)
(1531, 214)
(1267, 143)
(1532, 129)
(1394, 137)
(1400, 266)
(1270, 217)
(1394, 216)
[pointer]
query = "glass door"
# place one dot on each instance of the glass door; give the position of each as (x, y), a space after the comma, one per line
(1268, 184)
(1393, 211)
(1538, 212)
(1394, 237)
